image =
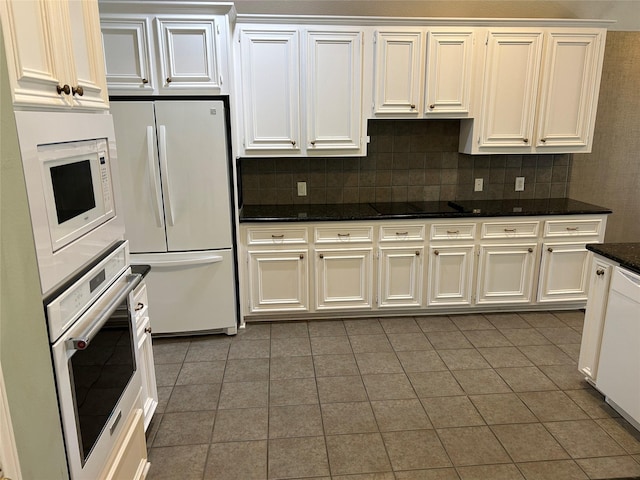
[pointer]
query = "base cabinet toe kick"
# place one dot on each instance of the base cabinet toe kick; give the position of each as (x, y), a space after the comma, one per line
(307, 270)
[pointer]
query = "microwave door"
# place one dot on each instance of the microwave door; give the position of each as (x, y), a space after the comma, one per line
(138, 162)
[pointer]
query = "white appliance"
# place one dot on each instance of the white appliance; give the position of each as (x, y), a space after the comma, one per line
(619, 368)
(175, 180)
(69, 160)
(93, 346)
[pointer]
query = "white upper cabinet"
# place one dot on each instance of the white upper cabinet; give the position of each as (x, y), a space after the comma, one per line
(540, 92)
(300, 91)
(423, 72)
(398, 73)
(151, 52)
(54, 54)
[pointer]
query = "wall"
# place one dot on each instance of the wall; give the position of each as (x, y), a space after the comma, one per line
(407, 160)
(610, 174)
(24, 346)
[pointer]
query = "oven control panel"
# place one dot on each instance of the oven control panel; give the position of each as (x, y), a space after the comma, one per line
(68, 306)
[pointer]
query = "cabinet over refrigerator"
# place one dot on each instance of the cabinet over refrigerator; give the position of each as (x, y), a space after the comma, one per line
(177, 194)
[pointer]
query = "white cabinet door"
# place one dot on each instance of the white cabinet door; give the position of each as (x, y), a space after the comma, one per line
(278, 280)
(449, 63)
(512, 72)
(43, 41)
(505, 273)
(149, 393)
(564, 272)
(400, 277)
(569, 92)
(271, 90)
(398, 73)
(128, 54)
(599, 279)
(343, 279)
(450, 275)
(188, 54)
(334, 83)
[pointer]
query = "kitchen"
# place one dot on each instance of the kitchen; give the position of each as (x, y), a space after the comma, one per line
(591, 180)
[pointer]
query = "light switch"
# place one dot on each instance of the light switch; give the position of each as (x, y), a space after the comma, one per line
(302, 189)
(478, 185)
(519, 184)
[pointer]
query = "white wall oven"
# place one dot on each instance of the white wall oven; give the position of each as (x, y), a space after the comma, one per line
(69, 162)
(92, 334)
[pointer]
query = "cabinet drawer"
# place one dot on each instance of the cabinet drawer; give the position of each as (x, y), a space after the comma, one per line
(346, 234)
(510, 229)
(453, 231)
(573, 228)
(276, 236)
(401, 233)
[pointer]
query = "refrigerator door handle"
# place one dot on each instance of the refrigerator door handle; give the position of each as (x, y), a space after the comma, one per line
(153, 179)
(184, 262)
(164, 169)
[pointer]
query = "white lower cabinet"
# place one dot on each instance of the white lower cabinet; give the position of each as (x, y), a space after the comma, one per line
(417, 266)
(505, 273)
(450, 275)
(145, 354)
(129, 458)
(344, 278)
(599, 280)
(278, 280)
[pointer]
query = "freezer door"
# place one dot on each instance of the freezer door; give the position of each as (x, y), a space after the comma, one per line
(194, 168)
(190, 292)
(135, 130)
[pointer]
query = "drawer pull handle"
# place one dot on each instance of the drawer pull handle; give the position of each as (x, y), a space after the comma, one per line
(436, 252)
(302, 256)
(147, 330)
(572, 229)
(600, 271)
(550, 250)
(275, 237)
(530, 250)
(402, 234)
(511, 230)
(453, 232)
(322, 255)
(344, 234)
(139, 306)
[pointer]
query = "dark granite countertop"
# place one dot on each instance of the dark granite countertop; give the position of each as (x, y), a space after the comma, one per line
(141, 269)
(398, 210)
(626, 254)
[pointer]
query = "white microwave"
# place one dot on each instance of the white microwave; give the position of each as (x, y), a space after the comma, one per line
(78, 192)
(70, 168)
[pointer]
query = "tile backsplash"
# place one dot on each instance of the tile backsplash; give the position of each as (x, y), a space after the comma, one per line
(407, 160)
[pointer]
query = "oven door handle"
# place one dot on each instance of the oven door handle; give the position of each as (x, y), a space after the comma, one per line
(81, 342)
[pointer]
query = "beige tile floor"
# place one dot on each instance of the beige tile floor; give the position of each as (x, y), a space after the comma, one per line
(494, 396)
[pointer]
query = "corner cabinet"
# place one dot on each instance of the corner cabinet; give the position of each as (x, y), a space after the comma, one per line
(300, 91)
(418, 266)
(54, 54)
(540, 92)
(153, 53)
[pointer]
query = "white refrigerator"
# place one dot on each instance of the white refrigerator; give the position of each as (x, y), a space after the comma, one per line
(176, 187)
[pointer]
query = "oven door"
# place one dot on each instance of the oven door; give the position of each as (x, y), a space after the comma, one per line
(97, 379)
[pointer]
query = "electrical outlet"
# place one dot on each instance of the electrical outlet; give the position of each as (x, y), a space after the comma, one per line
(478, 185)
(519, 184)
(302, 189)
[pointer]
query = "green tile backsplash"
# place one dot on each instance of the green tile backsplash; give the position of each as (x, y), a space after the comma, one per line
(407, 160)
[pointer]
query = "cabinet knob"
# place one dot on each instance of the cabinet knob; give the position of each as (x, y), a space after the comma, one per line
(64, 89)
(302, 256)
(321, 255)
(293, 142)
(144, 80)
(147, 329)
(413, 107)
(139, 306)
(530, 250)
(543, 140)
(525, 140)
(169, 80)
(600, 272)
(432, 106)
(417, 253)
(78, 90)
(313, 143)
(436, 252)
(549, 249)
